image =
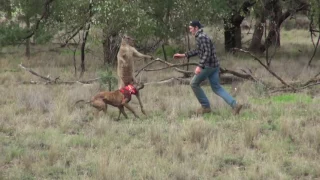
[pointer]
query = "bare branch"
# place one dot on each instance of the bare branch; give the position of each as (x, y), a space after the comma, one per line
(188, 73)
(314, 30)
(45, 15)
(34, 73)
(297, 89)
(56, 80)
(309, 85)
(171, 81)
(266, 67)
(312, 80)
(72, 36)
(314, 51)
(169, 65)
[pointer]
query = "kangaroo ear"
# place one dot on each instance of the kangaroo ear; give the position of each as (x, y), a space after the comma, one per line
(122, 34)
(126, 36)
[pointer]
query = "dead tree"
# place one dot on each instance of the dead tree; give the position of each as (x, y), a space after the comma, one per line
(294, 87)
(84, 40)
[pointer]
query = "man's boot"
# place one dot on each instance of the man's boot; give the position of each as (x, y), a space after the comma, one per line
(203, 110)
(236, 109)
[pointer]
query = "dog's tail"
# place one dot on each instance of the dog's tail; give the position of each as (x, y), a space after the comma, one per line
(86, 102)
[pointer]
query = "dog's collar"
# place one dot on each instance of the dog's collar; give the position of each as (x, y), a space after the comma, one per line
(129, 88)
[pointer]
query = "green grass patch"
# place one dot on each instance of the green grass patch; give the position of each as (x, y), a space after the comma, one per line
(217, 116)
(10, 70)
(69, 52)
(20, 174)
(13, 151)
(55, 172)
(283, 98)
(270, 125)
(292, 98)
(231, 160)
(248, 114)
(82, 141)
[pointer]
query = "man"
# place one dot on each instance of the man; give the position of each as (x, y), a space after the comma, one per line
(208, 68)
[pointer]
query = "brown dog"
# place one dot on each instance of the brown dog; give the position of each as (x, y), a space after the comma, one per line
(119, 98)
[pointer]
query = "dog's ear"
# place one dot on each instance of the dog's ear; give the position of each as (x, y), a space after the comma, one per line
(140, 86)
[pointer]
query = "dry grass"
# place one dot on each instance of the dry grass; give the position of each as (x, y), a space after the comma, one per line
(43, 136)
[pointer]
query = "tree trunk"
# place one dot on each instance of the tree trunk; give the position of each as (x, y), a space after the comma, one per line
(164, 52)
(188, 43)
(8, 9)
(84, 40)
(145, 52)
(83, 45)
(273, 38)
(232, 29)
(28, 39)
(275, 35)
(232, 35)
(110, 48)
(237, 36)
(229, 41)
(255, 45)
(75, 61)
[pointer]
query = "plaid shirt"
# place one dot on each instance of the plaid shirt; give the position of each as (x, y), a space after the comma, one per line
(205, 49)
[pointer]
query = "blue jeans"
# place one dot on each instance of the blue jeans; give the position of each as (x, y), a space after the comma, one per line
(213, 75)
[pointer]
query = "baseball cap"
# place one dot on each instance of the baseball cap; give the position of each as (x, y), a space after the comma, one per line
(196, 23)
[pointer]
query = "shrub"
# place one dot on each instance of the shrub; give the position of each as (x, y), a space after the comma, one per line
(170, 50)
(107, 79)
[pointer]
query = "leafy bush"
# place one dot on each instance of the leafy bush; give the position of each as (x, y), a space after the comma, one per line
(107, 79)
(43, 35)
(170, 50)
(11, 34)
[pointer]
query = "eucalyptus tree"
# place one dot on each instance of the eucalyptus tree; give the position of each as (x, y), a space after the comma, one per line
(314, 16)
(114, 17)
(70, 18)
(160, 13)
(275, 12)
(188, 10)
(73, 18)
(24, 19)
(6, 7)
(171, 17)
(232, 12)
